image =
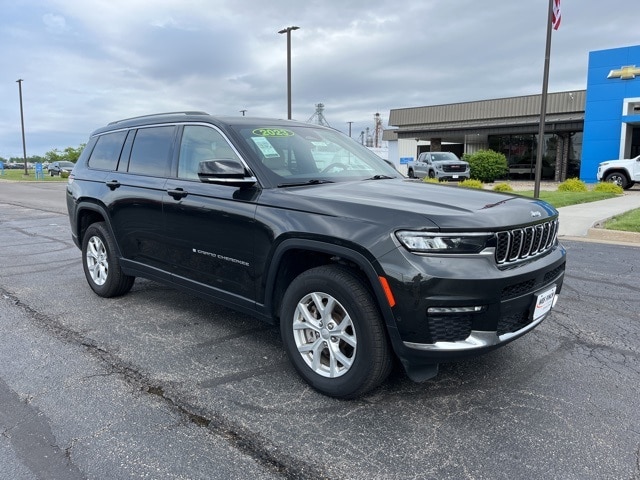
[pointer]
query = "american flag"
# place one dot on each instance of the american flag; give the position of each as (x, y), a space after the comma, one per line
(556, 16)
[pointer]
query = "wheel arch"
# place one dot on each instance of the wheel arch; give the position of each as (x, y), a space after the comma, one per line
(88, 213)
(294, 256)
(619, 170)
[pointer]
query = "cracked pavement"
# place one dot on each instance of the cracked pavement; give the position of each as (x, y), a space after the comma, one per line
(158, 384)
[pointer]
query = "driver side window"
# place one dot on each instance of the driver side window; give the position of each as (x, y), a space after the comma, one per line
(200, 143)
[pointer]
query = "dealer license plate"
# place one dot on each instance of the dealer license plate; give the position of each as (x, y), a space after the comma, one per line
(454, 176)
(544, 302)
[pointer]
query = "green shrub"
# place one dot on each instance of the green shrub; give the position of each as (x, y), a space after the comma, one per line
(64, 174)
(573, 185)
(487, 165)
(471, 183)
(430, 180)
(608, 187)
(503, 187)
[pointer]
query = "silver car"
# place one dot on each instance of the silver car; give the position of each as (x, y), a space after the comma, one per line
(440, 165)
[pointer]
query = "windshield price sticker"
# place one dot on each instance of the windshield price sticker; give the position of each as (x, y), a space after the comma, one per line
(272, 132)
(265, 147)
(544, 302)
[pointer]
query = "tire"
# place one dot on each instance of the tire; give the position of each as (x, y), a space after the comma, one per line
(357, 357)
(101, 264)
(432, 174)
(411, 174)
(619, 179)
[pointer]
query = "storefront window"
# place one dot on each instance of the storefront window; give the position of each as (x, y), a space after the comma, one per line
(521, 152)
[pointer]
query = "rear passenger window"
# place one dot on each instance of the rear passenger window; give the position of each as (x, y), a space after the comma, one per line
(151, 151)
(107, 151)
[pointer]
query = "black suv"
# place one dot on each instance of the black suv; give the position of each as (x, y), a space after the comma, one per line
(303, 227)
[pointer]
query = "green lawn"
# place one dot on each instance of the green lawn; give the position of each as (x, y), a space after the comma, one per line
(31, 177)
(563, 199)
(629, 222)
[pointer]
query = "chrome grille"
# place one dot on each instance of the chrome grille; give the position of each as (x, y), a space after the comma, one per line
(520, 243)
(453, 168)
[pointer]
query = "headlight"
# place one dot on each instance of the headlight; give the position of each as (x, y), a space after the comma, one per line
(428, 242)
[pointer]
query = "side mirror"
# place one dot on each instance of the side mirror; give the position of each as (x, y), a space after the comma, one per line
(225, 172)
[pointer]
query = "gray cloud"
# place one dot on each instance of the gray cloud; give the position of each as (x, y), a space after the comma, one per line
(85, 64)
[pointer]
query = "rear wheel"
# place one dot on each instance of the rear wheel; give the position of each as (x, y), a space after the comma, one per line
(333, 332)
(619, 179)
(101, 265)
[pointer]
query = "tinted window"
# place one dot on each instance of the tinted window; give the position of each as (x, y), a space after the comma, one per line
(151, 151)
(107, 151)
(200, 143)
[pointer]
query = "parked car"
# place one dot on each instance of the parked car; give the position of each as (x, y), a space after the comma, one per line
(358, 265)
(56, 168)
(624, 172)
(440, 165)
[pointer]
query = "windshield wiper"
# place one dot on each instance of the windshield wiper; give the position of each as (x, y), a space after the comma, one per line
(379, 177)
(313, 181)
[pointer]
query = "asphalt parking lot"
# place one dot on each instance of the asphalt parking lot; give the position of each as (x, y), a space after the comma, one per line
(159, 384)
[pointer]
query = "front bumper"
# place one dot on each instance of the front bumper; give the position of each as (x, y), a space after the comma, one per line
(452, 307)
(452, 176)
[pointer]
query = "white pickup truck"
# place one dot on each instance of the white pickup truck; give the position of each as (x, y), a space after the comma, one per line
(624, 172)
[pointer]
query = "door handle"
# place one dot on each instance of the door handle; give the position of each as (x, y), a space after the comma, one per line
(177, 193)
(113, 184)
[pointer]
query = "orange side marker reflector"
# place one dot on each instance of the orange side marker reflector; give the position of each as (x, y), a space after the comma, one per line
(387, 291)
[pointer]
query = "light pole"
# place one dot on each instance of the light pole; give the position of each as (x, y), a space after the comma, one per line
(288, 32)
(24, 145)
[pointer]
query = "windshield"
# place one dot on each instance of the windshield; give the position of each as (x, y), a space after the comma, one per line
(440, 156)
(298, 154)
(66, 164)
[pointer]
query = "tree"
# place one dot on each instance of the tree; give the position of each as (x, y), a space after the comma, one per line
(69, 154)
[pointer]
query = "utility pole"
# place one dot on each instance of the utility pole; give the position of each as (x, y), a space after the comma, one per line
(288, 32)
(350, 123)
(24, 145)
(543, 101)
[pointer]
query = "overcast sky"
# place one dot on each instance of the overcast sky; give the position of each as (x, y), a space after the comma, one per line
(86, 63)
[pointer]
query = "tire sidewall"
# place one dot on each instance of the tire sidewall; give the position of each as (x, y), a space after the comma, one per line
(623, 179)
(99, 230)
(317, 280)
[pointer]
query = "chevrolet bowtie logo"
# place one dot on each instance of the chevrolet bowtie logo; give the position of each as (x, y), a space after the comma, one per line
(625, 73)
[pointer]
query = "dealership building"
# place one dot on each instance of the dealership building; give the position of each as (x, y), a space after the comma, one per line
(582, 127)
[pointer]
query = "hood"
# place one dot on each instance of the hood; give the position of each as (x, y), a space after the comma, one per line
(414, 204)
(450, 162)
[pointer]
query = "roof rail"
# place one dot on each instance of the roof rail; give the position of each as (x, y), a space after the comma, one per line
(159, 115)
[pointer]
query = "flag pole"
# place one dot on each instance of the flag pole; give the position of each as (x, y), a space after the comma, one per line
(543, 103)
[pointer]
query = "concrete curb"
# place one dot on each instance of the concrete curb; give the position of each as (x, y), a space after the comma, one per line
(614, 236)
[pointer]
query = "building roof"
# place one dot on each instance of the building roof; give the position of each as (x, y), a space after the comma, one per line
(565, 112)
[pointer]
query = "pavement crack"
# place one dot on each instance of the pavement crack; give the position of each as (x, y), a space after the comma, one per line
(251, 444)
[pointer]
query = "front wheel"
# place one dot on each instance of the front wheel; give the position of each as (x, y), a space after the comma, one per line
(411, 174)
(619, 179)
(333, 332)
(101, 265)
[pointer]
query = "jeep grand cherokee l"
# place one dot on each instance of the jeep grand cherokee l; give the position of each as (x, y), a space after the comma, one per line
(301, 226)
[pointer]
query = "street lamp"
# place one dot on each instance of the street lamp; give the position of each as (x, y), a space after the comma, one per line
(288, 32)
(24, 145)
